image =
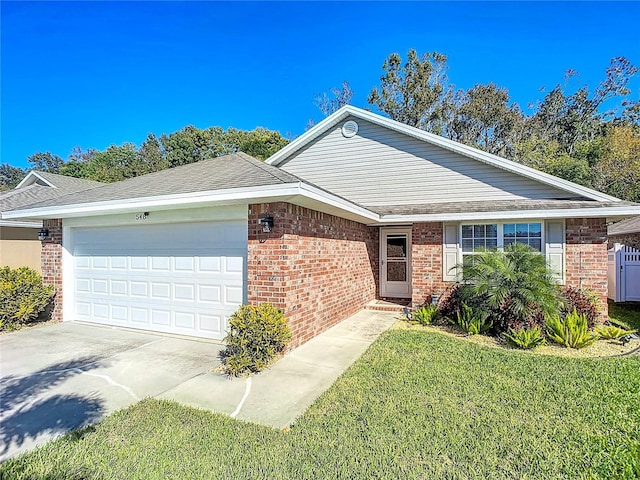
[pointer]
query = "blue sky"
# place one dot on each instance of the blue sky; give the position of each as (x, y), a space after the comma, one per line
(91, 74)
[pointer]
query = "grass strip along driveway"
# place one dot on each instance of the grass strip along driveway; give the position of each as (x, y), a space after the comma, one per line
(418, 404)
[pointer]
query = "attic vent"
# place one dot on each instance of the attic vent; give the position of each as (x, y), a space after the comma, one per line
(349, 129)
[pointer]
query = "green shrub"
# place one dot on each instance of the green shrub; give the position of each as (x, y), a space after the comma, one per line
(525, 338)
(472, 322)
(612, 332)
(257, 334)
(584, 301)
(514, 287)
(571, 331)
(425, 315)
(23, 296)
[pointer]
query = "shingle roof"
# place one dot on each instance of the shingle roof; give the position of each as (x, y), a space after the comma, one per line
(68, 184)
(630, 225)
(493, 206)
(36, 192)
(237, 170)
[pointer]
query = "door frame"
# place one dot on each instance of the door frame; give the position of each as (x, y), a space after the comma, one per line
(394, 289)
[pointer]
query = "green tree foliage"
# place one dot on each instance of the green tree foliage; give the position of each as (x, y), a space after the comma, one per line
(45, 162)
(188, 145)
(10, 176)
(483, 117)
(414, 93)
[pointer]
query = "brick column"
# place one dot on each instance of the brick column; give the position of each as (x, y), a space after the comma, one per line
(51, 262)
(426, 259)
(586, 257)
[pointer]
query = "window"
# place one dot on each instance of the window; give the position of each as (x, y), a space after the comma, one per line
(527, 233)
(479, 236)
(499, 235)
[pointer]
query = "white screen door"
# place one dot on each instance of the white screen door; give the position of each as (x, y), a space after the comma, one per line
(395, 262)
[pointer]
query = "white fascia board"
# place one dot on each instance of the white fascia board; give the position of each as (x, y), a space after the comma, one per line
(17, 223)
(326, 198)
(513, 215)
(182, 200)
(442, 142)
(30, 179)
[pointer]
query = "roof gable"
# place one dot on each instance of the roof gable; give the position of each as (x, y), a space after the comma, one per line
(332, 122)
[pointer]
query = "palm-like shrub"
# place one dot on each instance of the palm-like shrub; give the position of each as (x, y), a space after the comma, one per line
(426, 315)
(514, 287)
(525, 338)
(571, 331)
(612, 332)
(472, 322)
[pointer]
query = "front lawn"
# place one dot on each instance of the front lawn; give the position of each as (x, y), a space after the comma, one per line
(418, 404)
(627, 314)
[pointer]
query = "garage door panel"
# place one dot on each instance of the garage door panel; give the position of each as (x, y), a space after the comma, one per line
(166, 287)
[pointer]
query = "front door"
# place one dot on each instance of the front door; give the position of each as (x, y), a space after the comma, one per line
(395, 262)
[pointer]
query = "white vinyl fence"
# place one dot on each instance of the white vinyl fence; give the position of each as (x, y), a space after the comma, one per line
(623, 273)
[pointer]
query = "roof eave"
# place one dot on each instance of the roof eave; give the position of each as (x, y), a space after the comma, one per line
(602, 212)
(298, 193)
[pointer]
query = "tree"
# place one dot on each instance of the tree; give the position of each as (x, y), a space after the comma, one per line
(336, 99)
(10, 176)
(261, 143)
(46, 162)
(414, 93)
(484, 118)
(618, 171)
(573, 118)
(153, 155)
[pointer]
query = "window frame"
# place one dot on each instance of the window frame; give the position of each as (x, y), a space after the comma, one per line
(500, 229)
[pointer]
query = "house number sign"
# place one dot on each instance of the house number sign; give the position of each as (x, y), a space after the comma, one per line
(141, 217)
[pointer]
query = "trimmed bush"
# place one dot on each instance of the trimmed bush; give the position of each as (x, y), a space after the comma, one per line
(23, 296)
(525, 338)
(425, 315)
(584, 301)
(257, 334)
(571, 331)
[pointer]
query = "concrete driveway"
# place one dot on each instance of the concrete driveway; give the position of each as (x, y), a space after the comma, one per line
(59, 377)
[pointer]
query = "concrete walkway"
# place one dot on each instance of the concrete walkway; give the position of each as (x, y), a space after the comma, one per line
(279, 395)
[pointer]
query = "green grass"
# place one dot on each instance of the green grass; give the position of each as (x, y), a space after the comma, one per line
(627, 314)
(418, 404)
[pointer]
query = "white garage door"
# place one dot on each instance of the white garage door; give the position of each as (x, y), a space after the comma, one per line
(180, 278)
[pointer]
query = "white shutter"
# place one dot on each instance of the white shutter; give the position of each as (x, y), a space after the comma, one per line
(449, 252)
(555, 242)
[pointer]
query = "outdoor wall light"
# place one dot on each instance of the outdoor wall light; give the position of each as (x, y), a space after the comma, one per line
(43, 233)
(267, 223)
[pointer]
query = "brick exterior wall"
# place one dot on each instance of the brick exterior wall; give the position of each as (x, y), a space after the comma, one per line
(51, 263)
(586, 257)
(426, 259)
(585, 262)
(318, 268)
(629, 239)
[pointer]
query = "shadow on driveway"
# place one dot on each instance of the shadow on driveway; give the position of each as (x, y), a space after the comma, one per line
(26, 412)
